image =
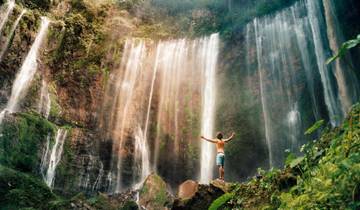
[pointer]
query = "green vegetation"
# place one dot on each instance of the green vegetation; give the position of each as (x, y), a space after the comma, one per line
(221, 201)
(315, 127)
(20, 190)
(153, 194)
(327, 177)
(22, 138)
(345, 48)
(79, 52)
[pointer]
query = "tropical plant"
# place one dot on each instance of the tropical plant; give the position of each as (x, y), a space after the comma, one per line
(345, 48)
(220, 201)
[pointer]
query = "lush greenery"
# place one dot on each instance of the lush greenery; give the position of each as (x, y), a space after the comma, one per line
(76, 58)
(23, 136)
(326, 177)
(20, 190)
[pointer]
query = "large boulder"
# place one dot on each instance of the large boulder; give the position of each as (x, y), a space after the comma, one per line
(154, 194)
(187, 189)
(194, 196)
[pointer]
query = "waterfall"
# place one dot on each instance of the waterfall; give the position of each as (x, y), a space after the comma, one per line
(55, 156)
(348, 91)
(262, 92)
(44, 104)
(173, 63)
(285, 44)
(5, 16)
(27, 71)
(155, 98)
(12, 31)
(142, 155)
(209, 55)
(45, 158)
(327, 77)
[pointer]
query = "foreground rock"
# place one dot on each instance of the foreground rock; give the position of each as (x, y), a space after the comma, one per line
(194, 196)
(187, 189)
(154, 194)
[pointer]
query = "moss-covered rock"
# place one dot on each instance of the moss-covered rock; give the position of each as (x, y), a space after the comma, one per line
(154, 194)
(20, 190)
(22, 138)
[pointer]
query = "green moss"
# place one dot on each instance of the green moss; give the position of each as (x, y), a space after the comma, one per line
(20, 190)
(22, 138)
(78, 54)
(55, 108)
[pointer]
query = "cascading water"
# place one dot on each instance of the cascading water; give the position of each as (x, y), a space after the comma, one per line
(331, 98)
(155, 98)
(45, 158)
(5, 16)
(55, 156)
(27, 71)
(12, 31)
(142, 156)
(44, 104)
(209, 56)
(348, 91)
(285, 44)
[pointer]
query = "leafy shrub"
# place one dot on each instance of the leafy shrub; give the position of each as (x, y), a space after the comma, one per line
(20, 190)
(219, 202)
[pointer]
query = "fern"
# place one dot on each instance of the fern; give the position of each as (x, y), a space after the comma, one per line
(220, 201)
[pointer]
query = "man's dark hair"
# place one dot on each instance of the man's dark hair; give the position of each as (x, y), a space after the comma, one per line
(219, 135)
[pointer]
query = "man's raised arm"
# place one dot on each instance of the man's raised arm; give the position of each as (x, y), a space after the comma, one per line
(209, 140)
(231, 137)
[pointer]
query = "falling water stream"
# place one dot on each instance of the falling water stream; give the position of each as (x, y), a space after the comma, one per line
(285, 45)
(27, 71)
(178, 78)
(55, 156)
(44, 104)
(162, 96)
(4, 17)
(12, 31)
(209, 56)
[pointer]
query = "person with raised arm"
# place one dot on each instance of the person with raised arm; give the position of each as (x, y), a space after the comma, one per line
(220, 157)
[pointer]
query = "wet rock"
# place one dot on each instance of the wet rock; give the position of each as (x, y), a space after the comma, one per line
(224, 186)
(187, 189)
(203, 196)
(154, 194)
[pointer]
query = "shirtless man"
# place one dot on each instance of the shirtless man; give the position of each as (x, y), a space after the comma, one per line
(220, 157)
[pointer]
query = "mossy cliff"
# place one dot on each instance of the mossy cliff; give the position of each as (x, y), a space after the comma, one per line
(83, 46)
(84, 43)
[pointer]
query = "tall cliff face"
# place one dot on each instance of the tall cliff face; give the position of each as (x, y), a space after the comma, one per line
(266, 91)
